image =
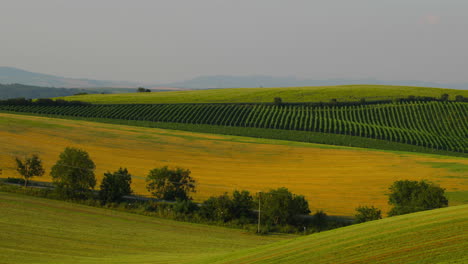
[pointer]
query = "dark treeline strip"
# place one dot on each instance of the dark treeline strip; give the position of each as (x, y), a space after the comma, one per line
(22, 100)
(40, 101)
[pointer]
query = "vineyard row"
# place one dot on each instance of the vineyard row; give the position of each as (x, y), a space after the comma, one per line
(435, 125)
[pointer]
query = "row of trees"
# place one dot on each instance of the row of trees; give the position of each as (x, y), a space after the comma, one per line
(278, 101)
(406, 197)
(74, 178)
(143, 90)
(42, 102)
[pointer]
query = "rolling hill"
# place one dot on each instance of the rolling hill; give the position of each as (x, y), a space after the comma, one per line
(229, 81)
(334, 179)
(259, 95)
(35, 230)
(437, 236)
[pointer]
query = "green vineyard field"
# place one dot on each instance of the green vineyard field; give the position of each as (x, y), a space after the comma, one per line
(432, 125)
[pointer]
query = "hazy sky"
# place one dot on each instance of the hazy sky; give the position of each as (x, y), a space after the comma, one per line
(161, 41)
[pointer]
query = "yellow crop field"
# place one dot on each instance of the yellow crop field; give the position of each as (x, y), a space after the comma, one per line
(335, 179)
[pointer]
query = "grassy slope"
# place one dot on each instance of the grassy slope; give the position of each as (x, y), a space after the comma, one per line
(437, 236)
(292, 94)
(335, 179)
(35, 230)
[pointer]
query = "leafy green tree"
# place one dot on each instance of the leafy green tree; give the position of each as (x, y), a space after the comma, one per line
(459, 98)
(365, 214)
(115, 185)
(225, 208)
(29, 167)
(170, 184)
(242, 204)
(280, 206)
(218, 208)
(143, 90)
(413, 196)
(444, 97)
(320, 220)
(278, 101)
(73, 174)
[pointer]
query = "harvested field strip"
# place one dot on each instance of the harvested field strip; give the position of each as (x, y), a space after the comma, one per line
(335, 179)
(431, 125)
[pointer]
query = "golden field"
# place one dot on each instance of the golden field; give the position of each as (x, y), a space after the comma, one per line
(335, 179)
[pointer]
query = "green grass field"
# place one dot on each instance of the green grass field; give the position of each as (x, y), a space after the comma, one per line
(257, 95)
(35, 230)
(437, 236)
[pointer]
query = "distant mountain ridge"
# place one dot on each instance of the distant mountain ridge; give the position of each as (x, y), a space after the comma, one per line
(8, 91)
(9, 75)
(227, 81)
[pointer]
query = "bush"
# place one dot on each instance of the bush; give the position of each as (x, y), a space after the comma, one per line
(413, 196)
(224, 208)
(115, 185)
(242, 204)
(73, 174)
(29, 167)
(278, 101)
(365, 214)
(143, 90)
(184, 207)
(150, 206)
(320, 220)
(15, 180)
(460, 98)
(280, 206)
(444, 97)
(218, 208)
(170, 184)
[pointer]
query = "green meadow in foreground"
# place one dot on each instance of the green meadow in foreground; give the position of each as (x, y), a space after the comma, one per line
(436, 236)
(35, 230)
(258, 95)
